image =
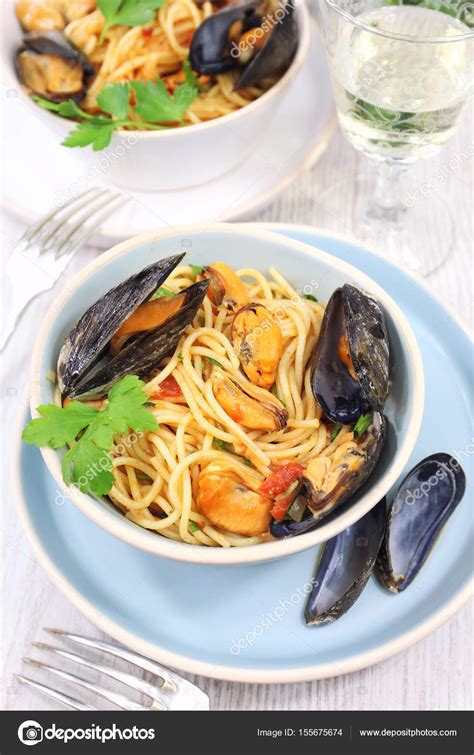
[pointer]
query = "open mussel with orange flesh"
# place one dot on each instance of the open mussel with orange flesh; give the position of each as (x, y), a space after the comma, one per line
(52, 67)
(124, 333)
(345, 566)
(327, 483)
(350, 366)
(425, 500)
(258, 38)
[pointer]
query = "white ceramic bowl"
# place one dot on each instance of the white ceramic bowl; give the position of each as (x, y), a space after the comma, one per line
(179, 157)
(239, 246)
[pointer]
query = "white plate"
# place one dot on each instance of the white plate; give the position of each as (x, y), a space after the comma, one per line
(38, 173)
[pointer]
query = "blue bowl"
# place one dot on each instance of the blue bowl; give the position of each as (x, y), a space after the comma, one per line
(303, 266)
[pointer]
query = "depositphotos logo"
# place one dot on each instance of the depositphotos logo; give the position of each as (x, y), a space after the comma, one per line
(31, 732)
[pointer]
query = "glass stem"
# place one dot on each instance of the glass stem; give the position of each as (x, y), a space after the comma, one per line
(386, 208)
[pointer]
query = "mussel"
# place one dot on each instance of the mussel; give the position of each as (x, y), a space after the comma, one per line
(350, 366)
(46, 15)
(245, 403)
(52, 67)
(39, 15)
(344, 568)
(225, 287)
(325, 489)
(87, 368)
(422, 505)
(257, 340)
(230, 498)
(256, 37)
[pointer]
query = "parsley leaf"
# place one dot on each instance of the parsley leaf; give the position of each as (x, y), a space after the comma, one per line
(87, 463)
(155, 105)
(67, 109)
(193, 527)
(114, 99)
(362, 424)
(127, 12)
(310, 297)
(58, 426)
(337, 427)
(161, 291)
(98, 133)
(197, 269)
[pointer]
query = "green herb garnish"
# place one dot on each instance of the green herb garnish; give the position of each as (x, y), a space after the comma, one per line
(87, 463)
(337, 427)
(362, 424)
(193, 527)
(154, 107)
(160, 292)
(127, 13)
(180, 357)
(197, 269)
(310, 297)
(222, 445)
(210, 360)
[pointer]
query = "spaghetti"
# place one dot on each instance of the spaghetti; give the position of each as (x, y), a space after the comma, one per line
(155, 51)
(157, 475)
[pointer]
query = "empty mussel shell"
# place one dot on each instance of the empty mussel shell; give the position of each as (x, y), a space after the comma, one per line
(423, 503)
(344, 568)
(350, 365)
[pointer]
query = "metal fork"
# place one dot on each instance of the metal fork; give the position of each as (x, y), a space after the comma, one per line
(170, 692)
(45, 250)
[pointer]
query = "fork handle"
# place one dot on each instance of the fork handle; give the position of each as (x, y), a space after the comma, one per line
(26, 280)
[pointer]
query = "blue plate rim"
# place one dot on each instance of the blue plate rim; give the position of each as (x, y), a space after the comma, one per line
(232, 673)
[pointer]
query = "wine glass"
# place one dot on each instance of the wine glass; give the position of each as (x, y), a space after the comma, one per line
(402, 73)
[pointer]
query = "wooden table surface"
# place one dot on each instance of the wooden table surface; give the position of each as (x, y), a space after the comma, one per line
(433, 674)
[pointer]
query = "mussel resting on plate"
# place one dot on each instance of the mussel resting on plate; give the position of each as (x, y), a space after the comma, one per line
(393, 543)
(326, 485)
(351, 360)
(52, 67)
(422, 505)
(346, 563)
(125, 333)
(258, 39)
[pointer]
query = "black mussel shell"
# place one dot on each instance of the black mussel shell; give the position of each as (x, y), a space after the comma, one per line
(277, 53)
(368, 343)
(211, 54)
(351, 478)
(422, 505)
(142, 355)
(344, 568)
(358, 317)
(349, 482)
(208, 53)
(53, 43)
(91, 335)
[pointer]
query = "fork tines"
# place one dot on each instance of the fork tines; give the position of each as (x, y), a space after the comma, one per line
(169, 691)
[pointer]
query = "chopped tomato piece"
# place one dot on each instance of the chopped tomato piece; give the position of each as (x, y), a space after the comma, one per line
(169, 388)
(281, 487)
(281, 479)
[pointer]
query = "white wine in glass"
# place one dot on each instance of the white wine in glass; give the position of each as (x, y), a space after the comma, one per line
(402, 75)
